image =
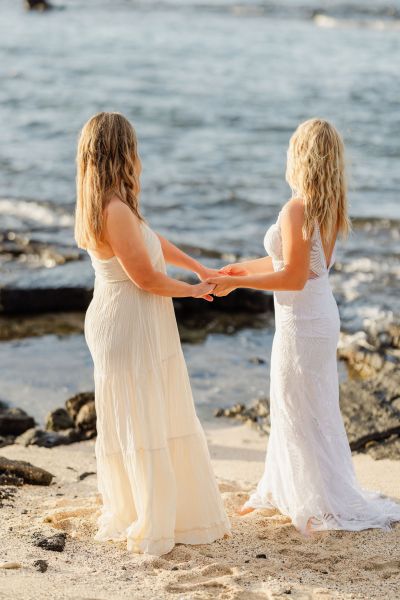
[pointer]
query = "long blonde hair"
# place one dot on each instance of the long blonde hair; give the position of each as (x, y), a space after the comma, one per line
(316, 173)
(107, 165)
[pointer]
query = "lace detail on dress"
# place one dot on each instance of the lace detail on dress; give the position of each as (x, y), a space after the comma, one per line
(273, 246)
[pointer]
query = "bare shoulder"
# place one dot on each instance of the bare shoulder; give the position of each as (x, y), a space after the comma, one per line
(293, 212)
(117, 211)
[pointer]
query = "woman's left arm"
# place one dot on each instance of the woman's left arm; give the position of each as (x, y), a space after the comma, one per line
(296, 258)
(174, 256)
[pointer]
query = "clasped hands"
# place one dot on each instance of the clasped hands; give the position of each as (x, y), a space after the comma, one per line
(222, 282)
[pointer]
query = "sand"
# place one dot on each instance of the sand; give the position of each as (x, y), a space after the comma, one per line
(344, 565)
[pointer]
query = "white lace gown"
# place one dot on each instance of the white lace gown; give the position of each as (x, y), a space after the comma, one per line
(309, 474)
(153, 466)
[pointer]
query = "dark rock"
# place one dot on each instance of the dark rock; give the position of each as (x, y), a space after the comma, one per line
(58, 420)
(41, 565)
(14, 300)
(257, 360)
(14, 421)
(86, 474)
(25, 470)
(74, 404)
(242, 300)
(10, 479)
(55, 543)
(50, 439)
(6, 440)
(86, 417)
(256, 414)
(39, 5)
(261, 555)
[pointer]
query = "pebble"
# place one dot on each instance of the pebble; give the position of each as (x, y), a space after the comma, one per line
(56, 542)
(41, 565)
(261, 555)
(10, 565)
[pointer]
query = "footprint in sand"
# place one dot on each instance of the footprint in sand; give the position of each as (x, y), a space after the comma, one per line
(76, 516)
(228, 486)
(211, 578)
(179, 554)
(384, 568)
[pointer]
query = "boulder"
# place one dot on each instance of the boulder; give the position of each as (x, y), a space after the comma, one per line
(74, 404)
(58, 420)
(14, 421)
(86, 418)
(26, 471)
(14, 300)
(39, 5)
(49, 439)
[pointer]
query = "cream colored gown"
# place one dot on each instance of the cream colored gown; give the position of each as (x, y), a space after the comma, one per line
(153, 466)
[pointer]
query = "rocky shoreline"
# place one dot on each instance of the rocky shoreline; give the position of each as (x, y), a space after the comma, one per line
(75, 422)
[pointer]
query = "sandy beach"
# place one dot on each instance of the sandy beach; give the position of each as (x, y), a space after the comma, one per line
(265, 558)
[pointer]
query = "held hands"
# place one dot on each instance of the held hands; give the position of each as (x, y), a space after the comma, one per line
(221, 283)
(204, 273)
(226, 281)
(203, 290)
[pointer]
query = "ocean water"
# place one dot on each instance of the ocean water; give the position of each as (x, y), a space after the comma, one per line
(214, 90)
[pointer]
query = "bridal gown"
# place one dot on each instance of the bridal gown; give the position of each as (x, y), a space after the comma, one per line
(309, 474)
(153, 466)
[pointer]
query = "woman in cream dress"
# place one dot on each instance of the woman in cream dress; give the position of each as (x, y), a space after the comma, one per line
(309, 473)
(153, 466)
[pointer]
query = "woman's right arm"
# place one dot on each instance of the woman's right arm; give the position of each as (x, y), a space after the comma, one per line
(250, 267)
(123, 233)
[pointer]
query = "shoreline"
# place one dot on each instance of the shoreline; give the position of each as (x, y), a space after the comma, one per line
(340, 565)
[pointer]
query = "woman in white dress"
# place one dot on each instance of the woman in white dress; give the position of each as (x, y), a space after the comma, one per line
(153, 466)
(309, 474)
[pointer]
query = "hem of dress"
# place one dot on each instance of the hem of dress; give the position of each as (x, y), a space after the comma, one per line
(160, 546)
(313, 523)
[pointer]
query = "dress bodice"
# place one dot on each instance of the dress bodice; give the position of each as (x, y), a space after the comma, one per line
(110, 270)
(273, 246)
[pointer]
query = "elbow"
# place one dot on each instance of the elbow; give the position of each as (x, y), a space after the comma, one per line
(296, 282)
(299, 284)
(145, 282)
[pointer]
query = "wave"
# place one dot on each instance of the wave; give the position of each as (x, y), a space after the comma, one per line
(40, 213)
(329, 22)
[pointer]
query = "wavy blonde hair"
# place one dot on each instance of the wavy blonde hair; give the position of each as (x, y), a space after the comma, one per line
(107, 165)
(316, 173)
